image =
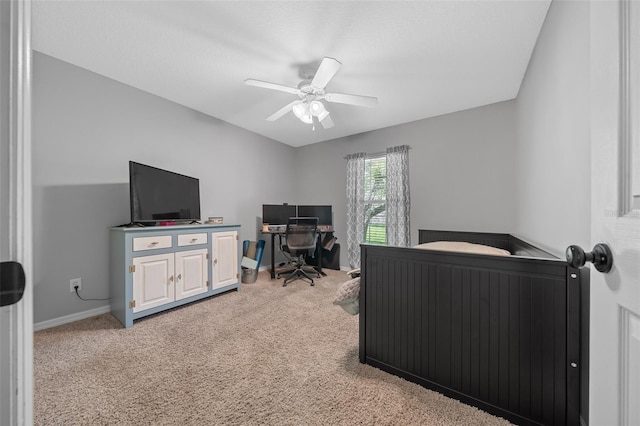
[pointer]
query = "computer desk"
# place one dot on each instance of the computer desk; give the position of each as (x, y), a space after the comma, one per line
(318, 249)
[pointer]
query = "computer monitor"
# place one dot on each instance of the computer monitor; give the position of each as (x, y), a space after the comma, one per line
(323, 213)
(278, 214)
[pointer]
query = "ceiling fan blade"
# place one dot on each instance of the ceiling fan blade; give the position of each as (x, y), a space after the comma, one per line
(282, 111)
(343, 98)
(327, 69)
(327, 122)
(273, 86)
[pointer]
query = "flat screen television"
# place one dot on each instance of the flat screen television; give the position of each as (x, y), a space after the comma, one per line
(278, 214)
(158, 195)
(323, 213)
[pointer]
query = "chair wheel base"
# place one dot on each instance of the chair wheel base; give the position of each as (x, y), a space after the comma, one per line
(298, 273)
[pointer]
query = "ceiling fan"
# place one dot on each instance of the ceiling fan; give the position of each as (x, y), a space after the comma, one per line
(309, 108)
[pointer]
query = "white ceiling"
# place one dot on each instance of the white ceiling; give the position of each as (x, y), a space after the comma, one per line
(420, 58)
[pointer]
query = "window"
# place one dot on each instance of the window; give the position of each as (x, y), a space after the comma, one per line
(375, 196)
(378, 200)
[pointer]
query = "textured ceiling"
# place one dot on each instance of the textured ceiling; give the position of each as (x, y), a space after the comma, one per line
(420, 58)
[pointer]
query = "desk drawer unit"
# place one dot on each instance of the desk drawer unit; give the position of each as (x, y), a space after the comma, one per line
(151, 243)
(192, 239)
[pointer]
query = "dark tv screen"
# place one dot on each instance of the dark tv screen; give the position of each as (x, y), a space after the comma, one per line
(160, 195)
(323, 213)
(277, 214)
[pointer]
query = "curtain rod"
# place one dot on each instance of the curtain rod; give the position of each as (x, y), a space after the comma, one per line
(374, 154)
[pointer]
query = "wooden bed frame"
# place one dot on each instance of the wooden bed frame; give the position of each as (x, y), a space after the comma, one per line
(507, 334)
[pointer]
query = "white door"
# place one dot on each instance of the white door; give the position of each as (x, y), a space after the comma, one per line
(224, 247)
(614, 382)
(16, 321)
(153, 281)
(192, 273)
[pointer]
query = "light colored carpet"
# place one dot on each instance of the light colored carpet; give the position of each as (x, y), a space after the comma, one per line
(267, 355)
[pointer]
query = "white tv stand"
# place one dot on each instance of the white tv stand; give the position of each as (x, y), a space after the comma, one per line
(157, 268)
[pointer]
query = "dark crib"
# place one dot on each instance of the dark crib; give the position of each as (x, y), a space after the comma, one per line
(499, 333)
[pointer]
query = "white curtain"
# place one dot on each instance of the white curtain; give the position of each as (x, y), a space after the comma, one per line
(355, 207)
(398, 197)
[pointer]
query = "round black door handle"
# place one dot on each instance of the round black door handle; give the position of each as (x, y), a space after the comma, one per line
(12, 282)
(601, 257)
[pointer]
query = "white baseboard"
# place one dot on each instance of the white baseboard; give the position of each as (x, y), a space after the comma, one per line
(71, 318)
(43, 325)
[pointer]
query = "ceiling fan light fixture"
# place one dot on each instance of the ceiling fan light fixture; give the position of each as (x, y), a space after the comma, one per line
(317, 108)
(303, 112)
(300, 109)
(307, 118)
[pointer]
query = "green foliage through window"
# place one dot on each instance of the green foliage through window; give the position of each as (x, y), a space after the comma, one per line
(375, 189)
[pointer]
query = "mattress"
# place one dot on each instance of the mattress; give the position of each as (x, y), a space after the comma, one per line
(463, 247)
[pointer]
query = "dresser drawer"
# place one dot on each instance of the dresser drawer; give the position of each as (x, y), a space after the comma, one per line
(151, 243)
(192, 239)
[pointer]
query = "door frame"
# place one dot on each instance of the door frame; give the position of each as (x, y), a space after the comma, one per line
(19, 327)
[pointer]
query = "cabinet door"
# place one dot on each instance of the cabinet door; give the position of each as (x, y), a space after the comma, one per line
(224, 258)
(153, 281)
(192, 273)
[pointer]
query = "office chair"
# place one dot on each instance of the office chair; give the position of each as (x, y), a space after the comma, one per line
(300, 240)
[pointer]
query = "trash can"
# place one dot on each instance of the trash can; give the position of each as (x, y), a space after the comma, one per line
(252, 255)
(249, 275)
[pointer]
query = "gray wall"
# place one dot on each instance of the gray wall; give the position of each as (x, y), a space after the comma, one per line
(85, 130)
(553, 152)
(87, 127)
(519, 166)
(460, 165)
(553, 155)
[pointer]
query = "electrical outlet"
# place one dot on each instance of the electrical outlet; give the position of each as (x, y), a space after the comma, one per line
(73, 283)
